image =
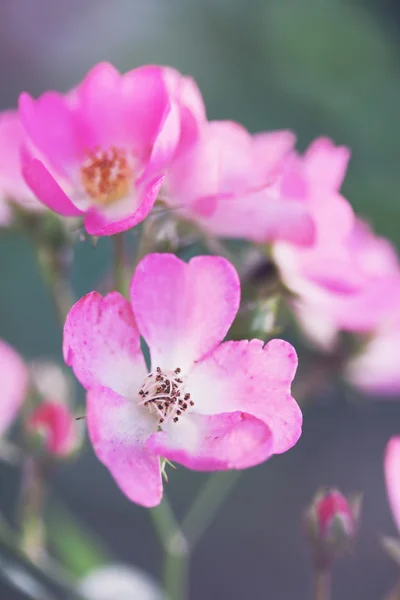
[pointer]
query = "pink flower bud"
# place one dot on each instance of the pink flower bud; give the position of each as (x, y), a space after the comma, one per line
(53, 426)
(331, 524)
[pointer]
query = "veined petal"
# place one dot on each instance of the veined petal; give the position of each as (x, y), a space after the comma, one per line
(233, 440)
(102, 344)
(183, 310)
(118, 430)
(252, 378)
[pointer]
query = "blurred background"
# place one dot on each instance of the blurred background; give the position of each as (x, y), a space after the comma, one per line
(319, 67)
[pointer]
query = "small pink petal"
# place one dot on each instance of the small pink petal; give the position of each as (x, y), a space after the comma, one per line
(252, 378)
(260, 218)
(12, 184)
(118, 430)
(45, 187)
(183, 310)
(55, 128)
(326, 164)
(272, 148)
(226, 441)
(124, 109)
(102, 344)
(14, 384)
(392, 474)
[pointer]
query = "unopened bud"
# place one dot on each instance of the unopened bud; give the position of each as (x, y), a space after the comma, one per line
(52, 428)
(331, 524)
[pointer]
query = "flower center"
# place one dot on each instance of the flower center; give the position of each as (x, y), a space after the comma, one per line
(106, 175)
(164, 395)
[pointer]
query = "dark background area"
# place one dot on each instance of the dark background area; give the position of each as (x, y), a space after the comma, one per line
(318, 67)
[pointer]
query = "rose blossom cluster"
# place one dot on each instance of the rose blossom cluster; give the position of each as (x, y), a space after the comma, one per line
(105, 153)
(111, 147)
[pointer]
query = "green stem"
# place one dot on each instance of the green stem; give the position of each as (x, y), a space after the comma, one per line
(322, 584)
(119, 263)
(178, 542)
(146, 239)
(31, 508)
(50, 571)
(54, 267)
(176, 550)
(207, 503)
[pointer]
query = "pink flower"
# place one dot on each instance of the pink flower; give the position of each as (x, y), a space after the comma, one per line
(345, 280)
(230, 183)
(376, 369)
(55, 423)
(12, 185)
(14, 384)
(205, 404)
(351, 287)
(392, 476)
(101, 150)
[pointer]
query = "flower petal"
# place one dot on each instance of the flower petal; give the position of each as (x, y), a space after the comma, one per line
(118, 430)
(392, 475)
(124, 109)
(14, 384)
(102, 344)
(12, 184)
(106, 223)
(45, 187)
(249, 377)
(233, 440)
(55, 128)
(183, 310)
(326, 164)
(262, 219)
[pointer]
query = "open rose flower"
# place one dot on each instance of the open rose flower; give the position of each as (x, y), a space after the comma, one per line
(13, 188)
(230, 183)
(101, 151)
(14, 384)
(357, 292)
(205, 404)
(345, 280)
(376, 369)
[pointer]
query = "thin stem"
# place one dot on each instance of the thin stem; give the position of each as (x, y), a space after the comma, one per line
(176, 549)
(54, 267)
(119, 262)
(207, 503)
(146, 239)
(48, 569)
(322, 584)
(31, 507)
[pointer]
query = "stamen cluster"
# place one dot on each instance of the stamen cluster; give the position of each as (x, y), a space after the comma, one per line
(164, 394)
(106, 175)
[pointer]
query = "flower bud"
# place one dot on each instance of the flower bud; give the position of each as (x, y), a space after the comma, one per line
(52, 427)
(331, 524)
